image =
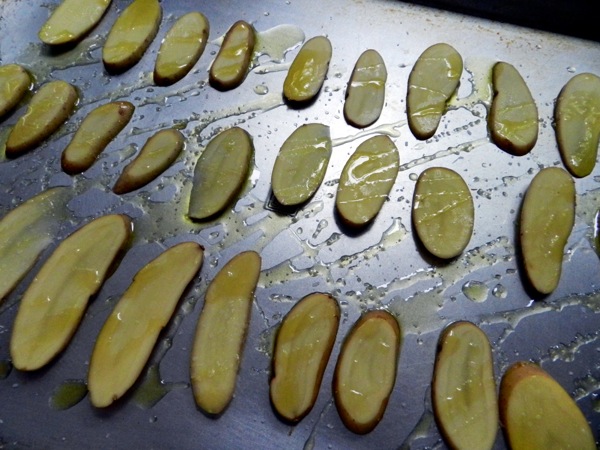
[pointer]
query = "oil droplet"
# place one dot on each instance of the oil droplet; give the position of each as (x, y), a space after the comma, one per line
(413, 176)
(261, 89)
(5, 369)
(152, 389)
(499, 291)
(68, 394)
(571, 69)
(597, 233)
(475, 291)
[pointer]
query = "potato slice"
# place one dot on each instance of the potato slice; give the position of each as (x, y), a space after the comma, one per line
(366, 90)
(131, 35)
(443, 213)
(96, 131)
(308, 70)
(302, 348)
(220, 172)
(301, 164)
(54, 303)
(463, 388)
(432, 81)
(15, 81)
(537, 412)
(365, 373)
(157, 154)
(547, 218)
(221, 332)
(72, 20)
(230, 67)
(131, 331)
(366, 180)
(49, 108)
(181, 48)
(577, 117)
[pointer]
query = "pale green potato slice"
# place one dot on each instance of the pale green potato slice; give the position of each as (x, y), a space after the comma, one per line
(221, 332)
(433, 80)
(443, 213)
(131, 35)
(48, 109)
(307, 73)
(365, 94)
(157, 154)
(220, 173)
(547, 218)
(95, 132)
(366, 180)
(181, 48)
(301, 164)
(464, 389)
(15, 82)
(72, 20)
(54, 303)
(536, 412)
(302, 348)
(577, 117)
(230, 67)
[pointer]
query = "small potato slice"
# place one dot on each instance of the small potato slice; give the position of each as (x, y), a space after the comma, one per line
(131, 331)
(301, 164)
(536, 412)
(54, 303)
(443, 213)
(157, 154)
(513, 119)
(96, 131)
(131, 35)
(577, 117)
(432, 81)
(365, 373)
(72, 20)
(464, 389)
(221, 332)
(308, 70)
(547, 218)
(220, 173)
(181, 48)
(366, 90)
(15, 81)
(48, 109)
(230, 67)
(366, 180)
(302, 348)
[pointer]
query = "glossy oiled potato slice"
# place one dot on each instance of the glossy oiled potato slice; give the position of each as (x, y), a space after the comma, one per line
(302, 348)
(537, 412)
(221, 332)
(577, 117)
(547, 218)
(230, 67)
(432, 81)
(54, 303)
(131, 331)
(443, 213)
(463, 388)
(15, 81)
(301, 164)
(308, 70)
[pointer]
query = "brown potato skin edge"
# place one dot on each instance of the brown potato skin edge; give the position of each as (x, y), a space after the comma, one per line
(215, 82)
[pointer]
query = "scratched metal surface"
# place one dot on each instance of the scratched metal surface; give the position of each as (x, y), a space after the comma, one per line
(308, 250)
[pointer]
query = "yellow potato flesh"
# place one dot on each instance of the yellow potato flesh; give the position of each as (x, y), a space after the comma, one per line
(230, 67)
(15, 81)
(308, 70)
(71, 20)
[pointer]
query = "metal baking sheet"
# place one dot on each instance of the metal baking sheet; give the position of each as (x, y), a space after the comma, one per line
(305, 250)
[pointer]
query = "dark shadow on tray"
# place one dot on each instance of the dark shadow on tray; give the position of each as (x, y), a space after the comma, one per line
(350, 230)
(300, 105)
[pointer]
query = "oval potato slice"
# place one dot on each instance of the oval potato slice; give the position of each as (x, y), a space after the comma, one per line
(302, 348)
(230, 67)
(15, 81)
(54, 303)
(308, 70)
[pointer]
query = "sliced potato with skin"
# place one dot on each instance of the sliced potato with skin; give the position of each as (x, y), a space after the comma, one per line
(577, 117)
(547, 218)
(221, 332)
(220, 173)
(365, 373)
(15, 82)
(54, 303)
(536, 412)
(95, 132)
(48, 109)
(301, 164)
(230, 67)
(307, 73)
(433, 80)
(443, 213)
(366, 180)
(302, 348)
(464, 389)
(130, 333)
(157, 154)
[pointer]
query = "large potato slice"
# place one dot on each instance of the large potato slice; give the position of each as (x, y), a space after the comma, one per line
(308, 70)
(230, 67)
(15, 81)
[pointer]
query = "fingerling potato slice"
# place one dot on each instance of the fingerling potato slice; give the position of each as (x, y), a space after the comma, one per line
(302, 348)
(15, 81)
(230, 67)
(130, 333)
(54, 303)
(308, 70)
